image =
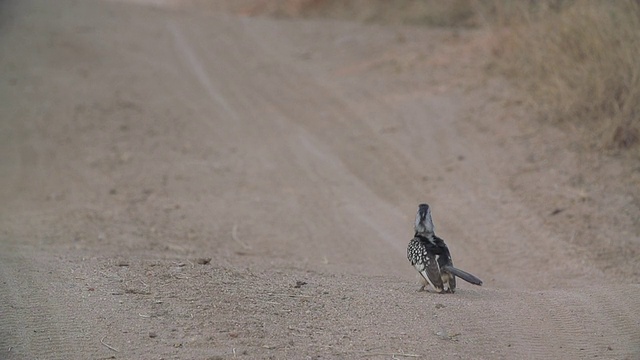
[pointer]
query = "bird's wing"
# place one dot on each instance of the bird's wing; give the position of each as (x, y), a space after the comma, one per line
(431, 272)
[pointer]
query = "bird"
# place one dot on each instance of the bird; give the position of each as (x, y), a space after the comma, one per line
(431, 257)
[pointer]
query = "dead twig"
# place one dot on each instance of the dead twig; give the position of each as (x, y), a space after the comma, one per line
(234, 236)
(107, 345)
(181, 277)
(393, 355)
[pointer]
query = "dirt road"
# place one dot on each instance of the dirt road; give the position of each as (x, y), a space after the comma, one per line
(187, 184)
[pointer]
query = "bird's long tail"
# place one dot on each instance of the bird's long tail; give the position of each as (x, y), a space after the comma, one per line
(463, 275)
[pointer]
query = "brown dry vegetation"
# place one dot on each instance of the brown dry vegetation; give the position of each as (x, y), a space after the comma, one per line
(464, 13)
(579, 63)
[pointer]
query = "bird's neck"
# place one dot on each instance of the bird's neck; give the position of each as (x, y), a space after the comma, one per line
(429, 235)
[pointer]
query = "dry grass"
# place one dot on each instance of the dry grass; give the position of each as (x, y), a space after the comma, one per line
(579, 62)
(415, 12)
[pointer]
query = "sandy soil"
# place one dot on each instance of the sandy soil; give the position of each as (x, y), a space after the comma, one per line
(187, 184)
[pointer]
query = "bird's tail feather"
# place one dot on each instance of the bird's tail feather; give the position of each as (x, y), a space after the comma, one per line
(463, 275)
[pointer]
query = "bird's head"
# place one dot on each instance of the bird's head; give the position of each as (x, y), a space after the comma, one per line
(424, 223)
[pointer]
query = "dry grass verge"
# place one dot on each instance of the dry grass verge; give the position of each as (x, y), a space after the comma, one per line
(579, 62)
(462, 13)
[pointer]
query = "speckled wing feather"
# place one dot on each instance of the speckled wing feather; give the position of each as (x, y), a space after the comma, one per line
(431, 272)
(425, 262)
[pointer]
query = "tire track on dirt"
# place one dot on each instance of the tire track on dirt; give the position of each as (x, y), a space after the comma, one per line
(198, 69)
(40, 319)
(291, 147)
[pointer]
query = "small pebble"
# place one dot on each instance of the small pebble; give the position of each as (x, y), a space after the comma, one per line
(203, 261)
